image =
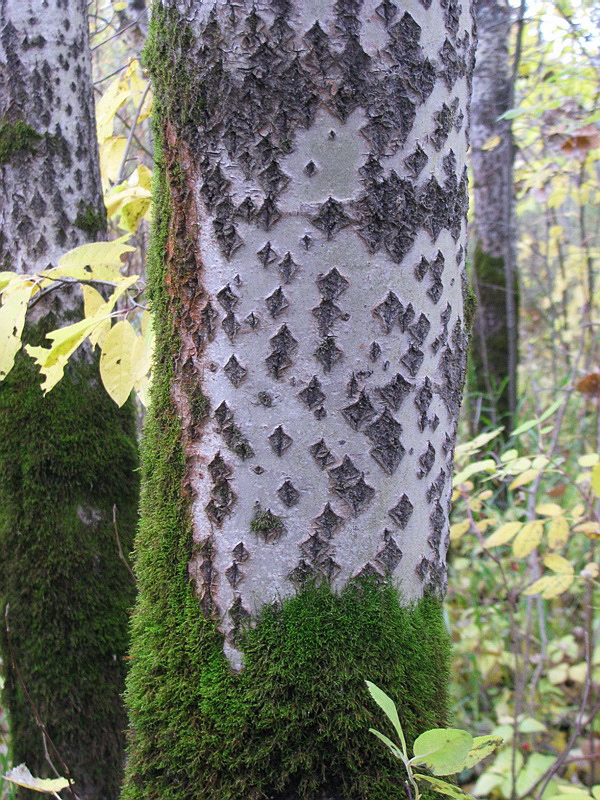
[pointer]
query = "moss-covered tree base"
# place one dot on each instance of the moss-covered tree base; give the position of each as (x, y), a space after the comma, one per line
(65, 459)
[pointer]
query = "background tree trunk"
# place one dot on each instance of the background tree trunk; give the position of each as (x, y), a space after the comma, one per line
(493, 372)
(65, 459)
(307, 284)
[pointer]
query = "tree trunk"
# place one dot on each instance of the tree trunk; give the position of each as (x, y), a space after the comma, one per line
(307, 284)
(67, 458)
(494, 342)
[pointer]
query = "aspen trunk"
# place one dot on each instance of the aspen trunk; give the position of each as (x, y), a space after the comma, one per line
(494, 340)
(67, 458)
(307, 281)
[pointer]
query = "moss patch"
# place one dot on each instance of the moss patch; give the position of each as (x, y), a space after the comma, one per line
(91, 220)
(65, 459)
(16, 138)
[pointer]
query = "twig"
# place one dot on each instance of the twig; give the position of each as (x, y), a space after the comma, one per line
(38, 721)
(118, 538)
(125, 158)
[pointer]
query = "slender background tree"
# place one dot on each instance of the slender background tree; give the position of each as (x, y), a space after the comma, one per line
(65, 459)
(308, 287)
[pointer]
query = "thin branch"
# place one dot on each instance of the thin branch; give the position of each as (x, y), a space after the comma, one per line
(120, 174)
(118, 538)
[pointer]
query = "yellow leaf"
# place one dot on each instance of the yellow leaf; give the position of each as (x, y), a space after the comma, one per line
(524, 478)
(504, 534)
(509, 455)
(99, 261)
(558, 533)
(23, 777)
(12, 320)
(596, 480)
(141, 358)
(6, 278)
(590, 529)
(92, 302)
(458, 530)
(144, 177)
(550, 586)
(549, 510)
(133, 212)
(559, 564)
(539, 586)
(112, 151)
(590, 572)
(142, 389)
(491, 143)
(117, 361)
(108, 105)
(527, 539)
(588, 460)
(121, 195)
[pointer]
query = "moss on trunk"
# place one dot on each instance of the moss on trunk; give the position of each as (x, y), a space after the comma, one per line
(65, 459)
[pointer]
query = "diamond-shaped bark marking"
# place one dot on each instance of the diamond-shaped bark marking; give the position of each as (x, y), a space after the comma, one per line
(230, 325)
(320, 413)
(426, 461)
(268, 214)
(374, 351)
(421, 269)
(246, 210)
(332, 285)
(328, 567)
(218, 469)
(328, 522)
(234, 574)
(390, 556)
(415, 162)
(283, 340)
(331, 217)
(401, 512)
(387, 11)
(420, 329)
(314, 546)
(328, 353)
(310, 168)
(238, 614)
(322, 454)
(234, 439)
(276, 302)
(406, 318)
(280, 441)
(359, 413)
(312, 395)
(412, 359)
(423, 568)
(288, 494)
(272, 179)
(227, 236)
(350, 485)
(208, 319)
(370, 572)
(234, 371)
(277, 363)
(217, 511)
(326, 314)
(267, 525)
(389, 311)
(287, 268)
(385, 434)
(240, 554)
(253, 320)
(437, 522)
(437, 487)
(423, 400)
(352, 385)
(394, 392)
(301, 574)
(227, 298)
(214, 187)
(266, 255)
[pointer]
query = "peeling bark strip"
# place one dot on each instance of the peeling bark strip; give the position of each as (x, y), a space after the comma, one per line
(316, 157)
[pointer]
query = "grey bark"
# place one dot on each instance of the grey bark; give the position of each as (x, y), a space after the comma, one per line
(494, 256)
(327, 192)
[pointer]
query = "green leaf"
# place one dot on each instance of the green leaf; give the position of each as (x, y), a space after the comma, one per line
(442, 750)
(443, 787)
(388, 743)
(23, 777)
(483, 746)
(387, 705)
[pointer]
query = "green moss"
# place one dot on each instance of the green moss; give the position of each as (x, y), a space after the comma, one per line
(470, 308)
(294, 722)
(265, 521)
(91, 220)
(16, 138)
(65, 460)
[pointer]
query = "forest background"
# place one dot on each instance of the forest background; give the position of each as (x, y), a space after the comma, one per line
(523, 565)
